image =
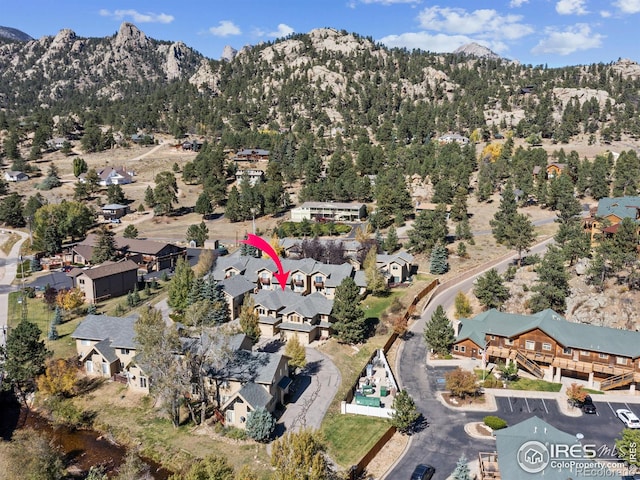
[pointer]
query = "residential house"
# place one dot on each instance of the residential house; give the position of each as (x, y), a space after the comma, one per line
(550, 347)
(606, 218)
(192, 145)
(252, 380)
(555, 169)
(106, 348)
(292, 248)
(333, 211)
(453, 138)
(253, 175)
(251, 155)
(522, 452)
(15, 176)
(142, 138)
(234, 289)
(108, 280)
(428, 207)
(397, 267)
(114, 210)
(149, 255)
(111, 176)
(56, 143)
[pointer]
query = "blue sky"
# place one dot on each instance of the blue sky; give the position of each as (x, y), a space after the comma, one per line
(551, 32)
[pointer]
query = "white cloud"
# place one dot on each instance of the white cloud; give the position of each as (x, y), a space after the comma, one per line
(433, 43)
(225, 28)
(571, 7)
(282, 31)
(628, 6)
(487, 23)
(517, 3)
(137, 16)
(578, 37)
(605, 13)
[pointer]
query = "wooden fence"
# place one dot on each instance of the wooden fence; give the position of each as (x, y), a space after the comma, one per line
(359, 468)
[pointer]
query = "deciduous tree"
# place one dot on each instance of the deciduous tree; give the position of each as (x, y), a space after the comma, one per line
(296, 353)
(298, 455)
(461, 383)
(180, 285)
(249, 319)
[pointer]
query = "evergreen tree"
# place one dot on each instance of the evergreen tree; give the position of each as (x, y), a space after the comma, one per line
(519, 234)
(376, 282)
(165, 192)
(405, 414)
(552, 288)
(490, 290)
(105, 247)
(438, 263)
(462, 471)
(350, 324)
(260, 425)
(11, 211)
(79, 166)
(198, 233)
(459, 206)
(203, 204)
(505, 214)
(428, 229)
(130, 231)
(390, 244)
(53, 332)
(149, 197)
(115, 194)
(57, 316)
(438, 333)
(180, 285)
(232, 210)
(463, 231)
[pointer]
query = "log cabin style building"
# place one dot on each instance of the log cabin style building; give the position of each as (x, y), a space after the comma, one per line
(549, 347)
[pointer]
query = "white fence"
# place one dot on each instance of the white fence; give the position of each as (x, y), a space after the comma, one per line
(365, 410)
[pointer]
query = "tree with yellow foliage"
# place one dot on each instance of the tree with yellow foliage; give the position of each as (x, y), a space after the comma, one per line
(275, 243)
(492, 151)
(59, 378)
(71, 299)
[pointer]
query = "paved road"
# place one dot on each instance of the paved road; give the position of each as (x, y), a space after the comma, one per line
(8, 269)
(314, 388)
(441, 439)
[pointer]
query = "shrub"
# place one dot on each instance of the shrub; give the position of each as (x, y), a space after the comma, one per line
(492, 382)
(494, 423)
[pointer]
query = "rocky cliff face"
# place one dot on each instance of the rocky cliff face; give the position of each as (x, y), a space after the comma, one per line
(56, 65)
(14, 34)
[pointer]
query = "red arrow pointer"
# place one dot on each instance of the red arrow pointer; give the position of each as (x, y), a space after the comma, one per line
(261, 244)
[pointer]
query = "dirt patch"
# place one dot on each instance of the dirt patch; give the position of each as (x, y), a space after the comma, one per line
(458, 402)
(480, 429)
(388, 455)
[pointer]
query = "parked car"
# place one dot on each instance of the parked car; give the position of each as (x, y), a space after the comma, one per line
(221, 251)
(629, 418)
(423, 472)
(115, 220)
(588, 405)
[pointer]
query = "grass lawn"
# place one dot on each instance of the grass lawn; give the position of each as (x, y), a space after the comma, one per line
(536, 385)
(374, 307)
(41, 315)
(593, 392)
(350, 437)
(11, 241)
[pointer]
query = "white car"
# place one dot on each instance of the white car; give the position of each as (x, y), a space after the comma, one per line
(629, 418)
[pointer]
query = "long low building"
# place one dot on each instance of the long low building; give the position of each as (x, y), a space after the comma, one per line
(334, 211)
(550, 347)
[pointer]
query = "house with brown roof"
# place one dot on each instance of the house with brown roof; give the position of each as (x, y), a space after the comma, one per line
(108, 280)
(251, 155)
(148, 254)
(555, 169)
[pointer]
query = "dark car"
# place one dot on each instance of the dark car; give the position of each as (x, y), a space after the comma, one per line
(588, 405)
(423, 472)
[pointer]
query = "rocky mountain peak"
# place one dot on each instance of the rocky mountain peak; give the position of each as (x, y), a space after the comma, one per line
(64, 37)
(476, 50)
(228, 53)
(130, 36)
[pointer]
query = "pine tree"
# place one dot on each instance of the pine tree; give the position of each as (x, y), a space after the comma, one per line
(149, 197)
(260, 425)
(105, 247)
(232, 210)
(57, 316)
(130, 231)
(390, 243)
(462, 471)
(428, 229)
(505, 214)
(490, 290)
(350, 323)
(438, 263)
(438, 333)
(180, 285)
(405, 414)
(53, 332)
(552, 288)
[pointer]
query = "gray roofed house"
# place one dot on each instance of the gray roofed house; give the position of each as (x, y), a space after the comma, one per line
(255, 395)
(397, 267)
(106, 347)
(234, 289)
(524, 451)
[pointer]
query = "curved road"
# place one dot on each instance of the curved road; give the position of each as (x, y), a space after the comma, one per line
(8, 269)
(440, 440)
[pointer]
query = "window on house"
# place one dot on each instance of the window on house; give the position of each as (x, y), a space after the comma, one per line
(621, 360)
(492, 337)
(85, 343)
(508, 341)
(89, 366)
(81, 281)
(455, 348)
(463, 348)
(584, 353)
(395, 267)
(567, 351)
(124, 351)
(546, 346)
(530, 345)
(604, 356)
(143, 382)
